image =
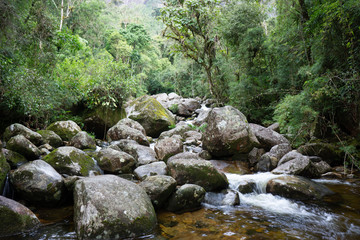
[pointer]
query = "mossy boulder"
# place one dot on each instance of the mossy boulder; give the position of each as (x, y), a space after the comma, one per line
(327, 151)
(19, 129)
(65, 129)
(4, 169)
(113, 161)
(50, 137)
(297, 188)
(23, 146)
(199, 172)
(38, 183)
(13, 158)
(151, 115)
(110, 207)
(159, 188)
(186, 198)
(228, 132)
(15, 218)
(83, 140)
(71, 161)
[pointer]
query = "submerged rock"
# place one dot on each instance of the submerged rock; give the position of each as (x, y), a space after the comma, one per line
(38, 182)
(227, 133)
(109, 207)
(65, 129)
(71, 161)
(187, 198)
(128, 129)
(19, 129)
(23, 146)
(15, 218)
(82, 140)
(159, 188)
(151, 115)
(298, 188)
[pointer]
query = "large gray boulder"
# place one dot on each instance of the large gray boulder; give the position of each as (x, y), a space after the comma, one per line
(227, 133)
(159, 188)
(114, 161)
(15, 218)
(142, 154)
(82, 140)
(109, 207)
(294, 163)
(71, 161)
(23, 146)
(267, 137)
(128, 129)
(38, 182)
(187, 198)
(65, 129)
(168, 147)
(151, 115)
(298, 188)
(19, 129)
(50, 137)
(199, 172)
(151, 169)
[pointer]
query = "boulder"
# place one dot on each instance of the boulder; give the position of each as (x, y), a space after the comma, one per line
(227, 133)
(202, 116)
(298, 188)
(65, 129)
(23, 146)
(128, 129)
(226, 197)
(185, 155)
(71, 161)
(193, 138)
(168, 147)
(275, 127)
(15, 218)
(205, 155)
(246, 187)
(159, 188)
(328, 152)
(267, 137)
(178, 130)
(322, 167)
(295, 163)
(19, 129)
(113, 161)
(45, 149)
(4, 169)
(51, 138)
(110, 207)
(151, 169)
(38, 182)
(255, 155)
(186, 198)
(187, 107)
(142, 154)
(270, 160)
(13, 158)
(151, 115)
(83, 140)
(199, 172)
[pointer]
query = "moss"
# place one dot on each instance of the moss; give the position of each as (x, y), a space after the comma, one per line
(14, 223)
(4, 169)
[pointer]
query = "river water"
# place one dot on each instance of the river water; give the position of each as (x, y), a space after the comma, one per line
(259, 216)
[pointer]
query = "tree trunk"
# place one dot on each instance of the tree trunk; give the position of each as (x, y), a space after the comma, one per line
(62, 14)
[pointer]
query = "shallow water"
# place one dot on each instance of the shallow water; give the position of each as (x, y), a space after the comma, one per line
(259, 216)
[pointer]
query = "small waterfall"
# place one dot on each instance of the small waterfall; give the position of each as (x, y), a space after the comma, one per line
(8, 191)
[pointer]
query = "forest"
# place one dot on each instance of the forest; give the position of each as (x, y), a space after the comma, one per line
(293, 62)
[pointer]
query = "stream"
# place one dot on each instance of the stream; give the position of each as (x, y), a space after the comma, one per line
(259, 216)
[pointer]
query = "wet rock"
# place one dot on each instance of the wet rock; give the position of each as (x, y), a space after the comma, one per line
(322, 167)
(142, 154)
(332, 175)
(4, 169)
(187, 107)
(254, 155)
(199, 172)
(295, 163)
(328, 152)
(128, 129)
(226, 197)
(168, 147)
(38, 182)
(246, 187)
(205, 155)
(151, 169)
(65, 129)
(151, 115)
(71, 161)
(298, 188)
(178, 130)
(159, 188)
(19, 129)
(51, 138)
(227, 133)
(270, 160)
(82, 140)
(13, 158)
(109, 207)
(113, 161)
(23, 146)
(15, 218)
(187, 198)
(267, 137)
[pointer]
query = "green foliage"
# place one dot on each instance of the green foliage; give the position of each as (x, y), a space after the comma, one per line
(174, 108)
